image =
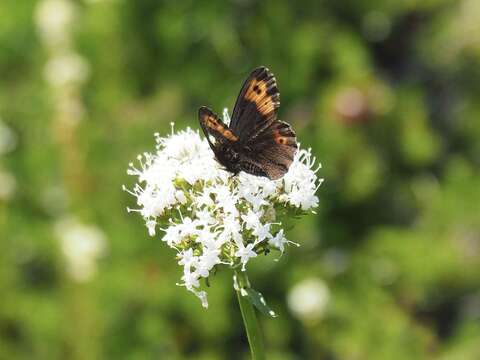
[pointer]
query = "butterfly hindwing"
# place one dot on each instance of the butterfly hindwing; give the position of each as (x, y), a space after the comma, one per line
(271, 152)
(256, 105)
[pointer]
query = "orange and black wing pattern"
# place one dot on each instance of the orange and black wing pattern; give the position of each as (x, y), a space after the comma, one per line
(212, 125)
(273, 149)
(256, 105)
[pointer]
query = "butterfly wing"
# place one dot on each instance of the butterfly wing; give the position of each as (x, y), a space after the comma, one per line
(212, 125)
(263, 145)
(272, 151)
(256, 106)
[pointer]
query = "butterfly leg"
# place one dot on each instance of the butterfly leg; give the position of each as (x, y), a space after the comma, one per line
(233, 175)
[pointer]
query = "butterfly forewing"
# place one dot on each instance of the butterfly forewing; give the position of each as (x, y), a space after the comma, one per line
(212, 125)
(256, 105)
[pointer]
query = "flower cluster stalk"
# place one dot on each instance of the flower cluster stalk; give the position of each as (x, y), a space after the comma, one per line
(250, 321)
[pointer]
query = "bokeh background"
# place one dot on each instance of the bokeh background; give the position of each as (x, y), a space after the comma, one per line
(387, 94)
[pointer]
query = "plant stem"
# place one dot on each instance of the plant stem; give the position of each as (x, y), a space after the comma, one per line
(250, 321)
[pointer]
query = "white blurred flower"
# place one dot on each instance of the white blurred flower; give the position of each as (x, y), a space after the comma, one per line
(82, 245)
(209, 216)
(308, 300)
(65, 69)
(8, 139)
(8, 184)
(53, 19)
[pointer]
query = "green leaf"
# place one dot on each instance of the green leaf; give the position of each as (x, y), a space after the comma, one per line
(258, 301)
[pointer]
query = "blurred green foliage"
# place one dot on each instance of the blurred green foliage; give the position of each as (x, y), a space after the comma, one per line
(387, 93)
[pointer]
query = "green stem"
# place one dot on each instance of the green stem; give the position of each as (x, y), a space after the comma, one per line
(254, 334)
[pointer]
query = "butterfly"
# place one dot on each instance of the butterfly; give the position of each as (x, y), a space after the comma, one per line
(255, 141)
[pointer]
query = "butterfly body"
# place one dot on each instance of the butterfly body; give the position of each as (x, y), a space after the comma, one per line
(255, 141)
(229, 157)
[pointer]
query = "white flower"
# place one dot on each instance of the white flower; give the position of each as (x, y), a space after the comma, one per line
(205, 217)
(190, 279)
(202, 295)
(205, 198)
(187, 259)
(308, 300)
(207, 238)
(231, 229)
(252, 219)
(81, 245)
(278, 241)
(209, 216)
(172, 235)
(245, 253)
(151, 226)
(226, 116)
(180, 197)
(208, 260)
(301, 181)
(262, 231)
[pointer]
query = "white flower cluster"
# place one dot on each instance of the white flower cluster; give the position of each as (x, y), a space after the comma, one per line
(209, 216)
